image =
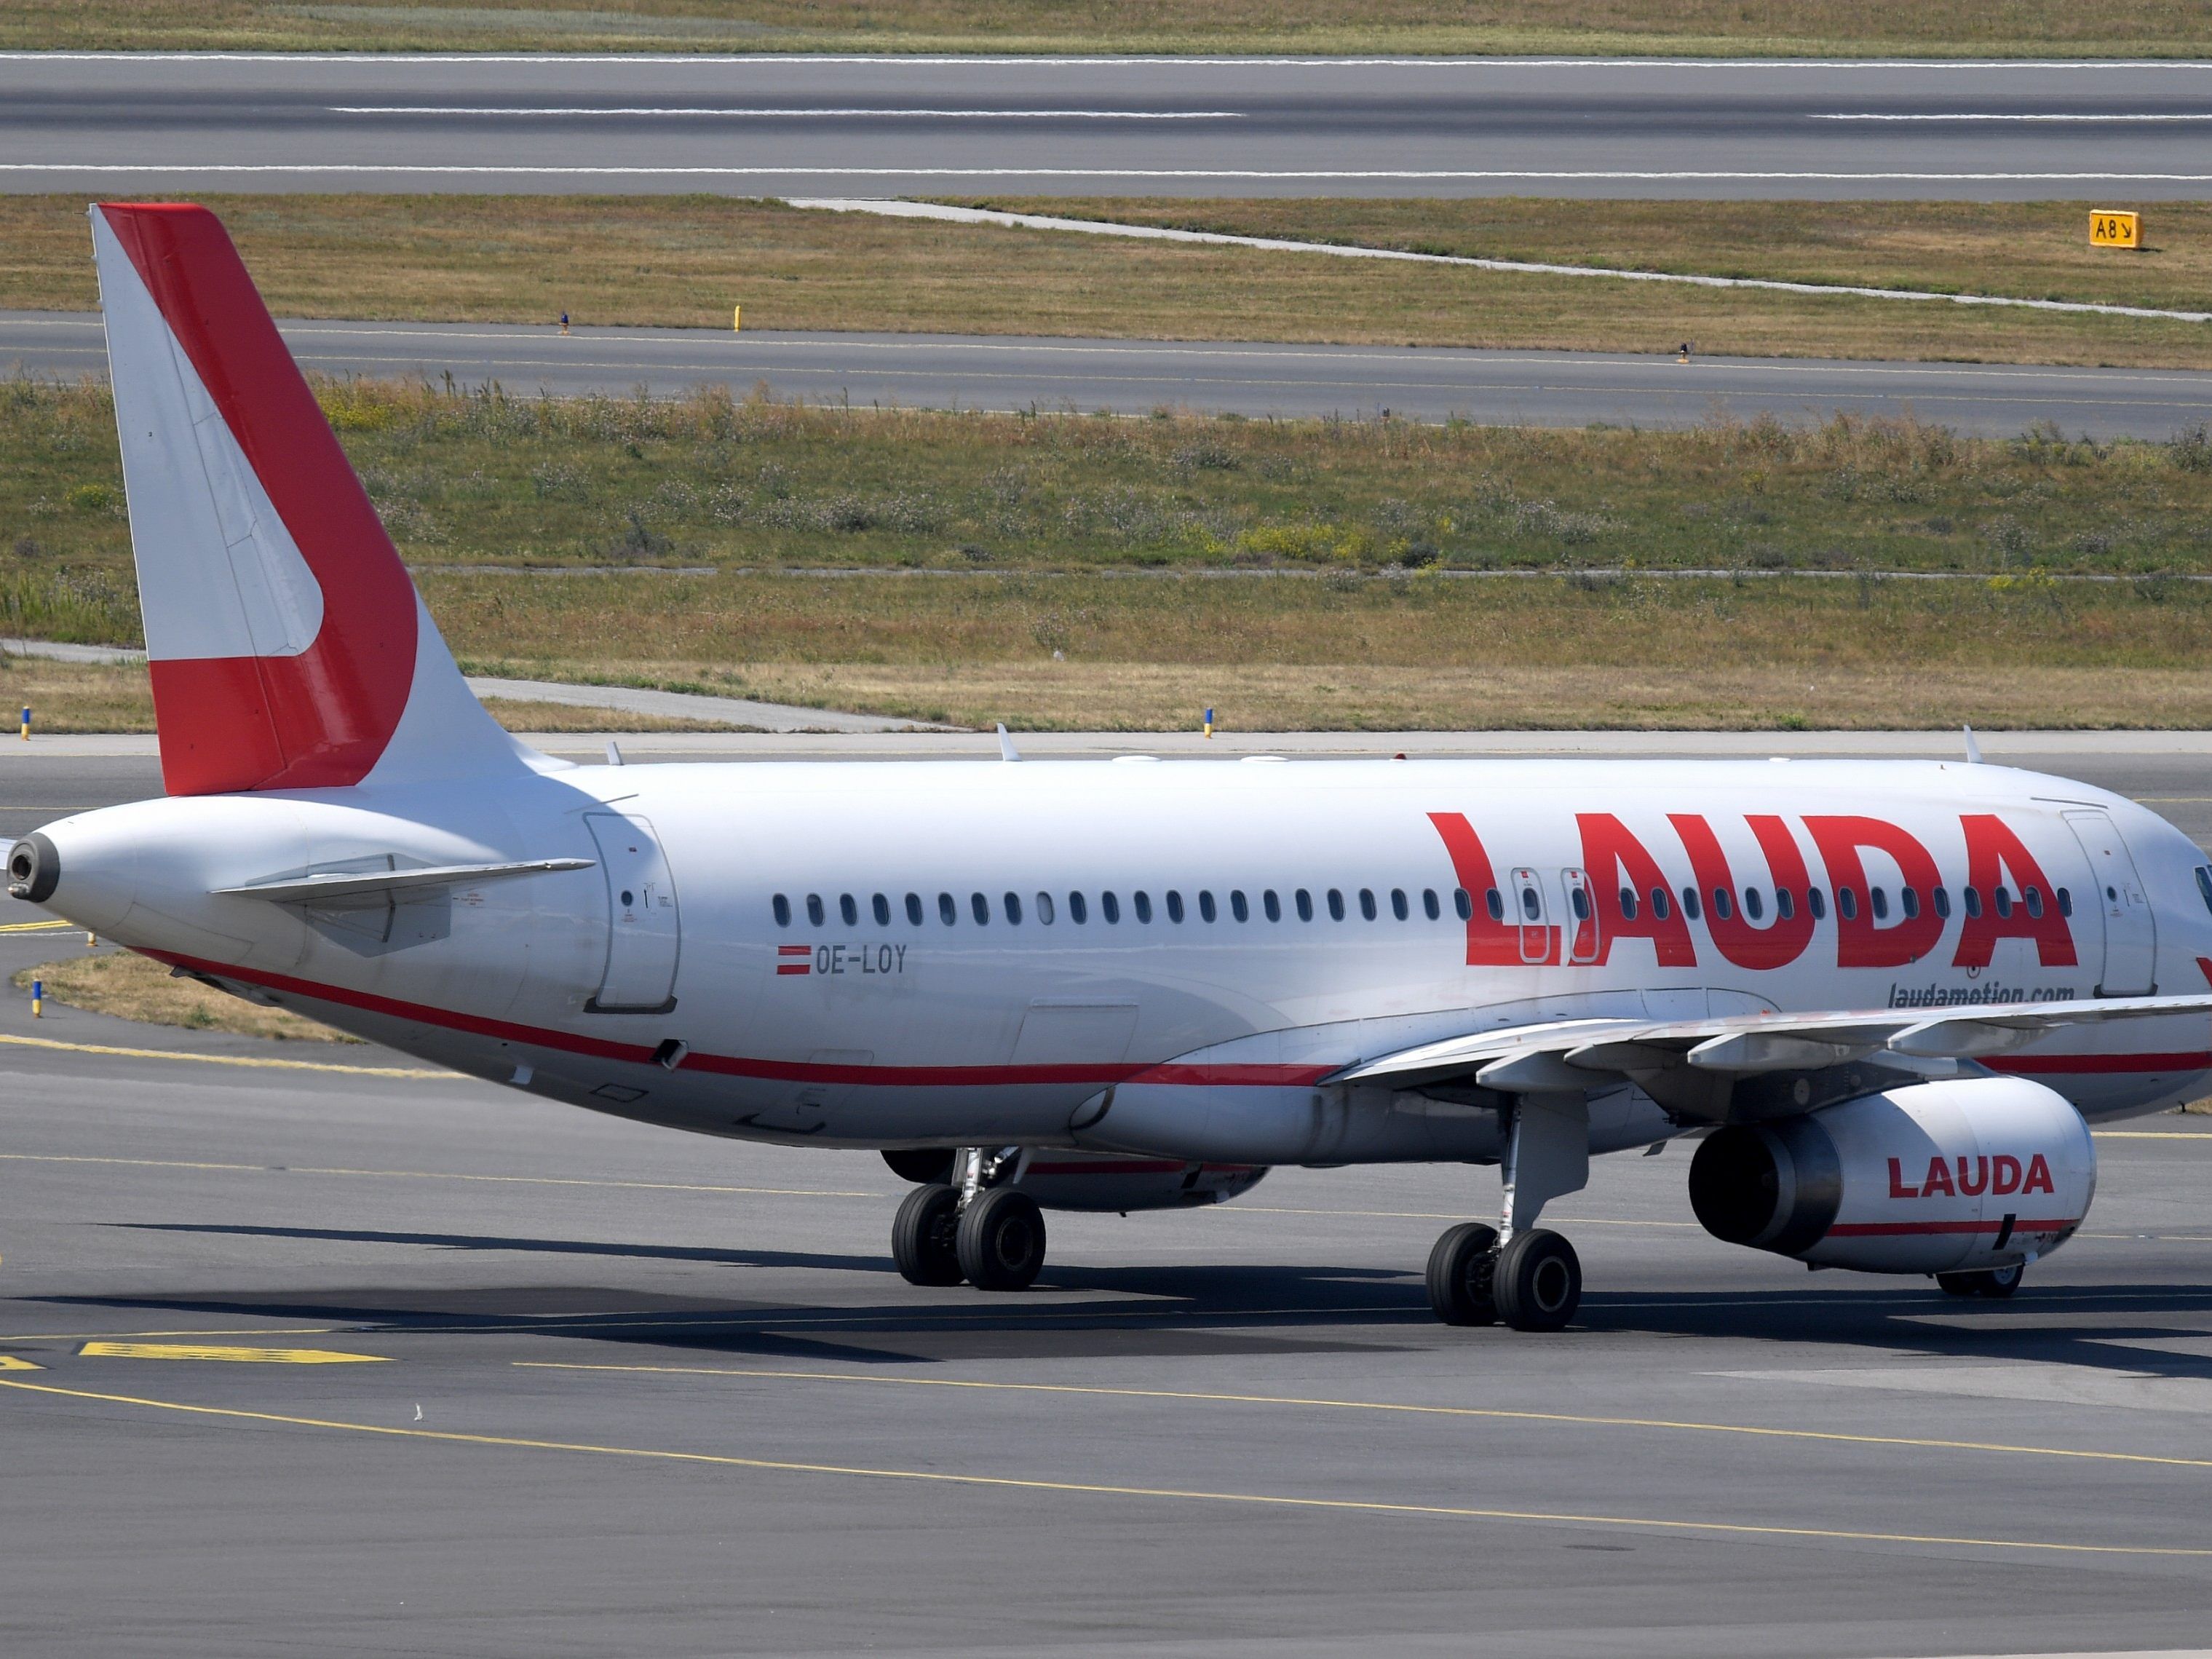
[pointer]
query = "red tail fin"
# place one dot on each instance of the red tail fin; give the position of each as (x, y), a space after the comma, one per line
(288, 647)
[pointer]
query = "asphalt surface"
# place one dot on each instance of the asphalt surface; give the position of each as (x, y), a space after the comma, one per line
(1198, 127)
(622, 1391)
(1516, 388)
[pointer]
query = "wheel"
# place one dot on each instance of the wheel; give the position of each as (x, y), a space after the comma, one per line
(1538, 1281)
(1002, 1240)
(924, 1166)
(1960, 1284)
(925, 1237)
(1995, 1282)
(1458, 1274)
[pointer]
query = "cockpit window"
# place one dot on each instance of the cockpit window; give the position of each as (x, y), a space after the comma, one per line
(2204, 884)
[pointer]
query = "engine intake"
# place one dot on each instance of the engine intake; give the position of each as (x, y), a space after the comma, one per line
(1933, 1177)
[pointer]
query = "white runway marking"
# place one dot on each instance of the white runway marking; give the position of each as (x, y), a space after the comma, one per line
(770, 115)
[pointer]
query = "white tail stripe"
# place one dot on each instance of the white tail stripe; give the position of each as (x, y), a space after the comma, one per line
(222, 578)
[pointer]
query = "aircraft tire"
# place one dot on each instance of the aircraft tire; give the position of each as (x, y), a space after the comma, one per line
(925, 1237)
(1997, 1283)
(1460, 1273)
(1959, 1284)
(1538, 1281)
(1002, 1240)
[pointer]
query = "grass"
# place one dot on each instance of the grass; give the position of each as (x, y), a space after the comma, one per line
(1948, 28)
(137, 987)
(1077, 572)
(685, 260)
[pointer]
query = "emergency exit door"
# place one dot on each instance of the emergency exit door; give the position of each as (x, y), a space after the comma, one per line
(2117, 896)
(644, 925)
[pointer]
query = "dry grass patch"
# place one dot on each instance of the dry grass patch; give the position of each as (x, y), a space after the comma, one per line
(683, 261)
(1943, 26)
(131, 987)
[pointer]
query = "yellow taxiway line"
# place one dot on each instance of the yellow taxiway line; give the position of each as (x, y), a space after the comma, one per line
(437, 1175)
(1495, 1413)
(224, 1060)
(235, 1355)
(1664, 1524)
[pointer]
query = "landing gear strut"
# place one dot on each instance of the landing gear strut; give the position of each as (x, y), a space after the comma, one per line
(968, 1227)
(1522, 1274)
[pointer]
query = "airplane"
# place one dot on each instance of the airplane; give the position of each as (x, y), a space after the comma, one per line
(1886, 998)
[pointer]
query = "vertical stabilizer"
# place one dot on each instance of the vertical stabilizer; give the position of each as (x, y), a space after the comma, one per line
(288, 646)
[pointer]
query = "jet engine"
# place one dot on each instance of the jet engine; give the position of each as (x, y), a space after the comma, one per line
(1061, 1179)
(1964, 1176)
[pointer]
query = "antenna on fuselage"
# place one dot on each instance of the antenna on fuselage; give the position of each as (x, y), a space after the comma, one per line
(1006, 750)
(614, 753)
(1973, 749)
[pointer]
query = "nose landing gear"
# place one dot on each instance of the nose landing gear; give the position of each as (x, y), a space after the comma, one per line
(991, 1235)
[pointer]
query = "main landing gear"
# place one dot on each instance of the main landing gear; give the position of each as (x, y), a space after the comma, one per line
(1524, 1276)
(966, 1227)
(1995, 1282)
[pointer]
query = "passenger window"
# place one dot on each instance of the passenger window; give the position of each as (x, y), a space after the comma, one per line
(981, 909)
(1659, 905)
(2066, 902)
(1908, 900)
(1335, 904)
(782, 907)
(849, 910)
(1690, 902)
(1531, 907)
(1722, 909)
(1785, 904)
(1463, 903)
(913, 908)
(1398, 907)
(1142, 903)
(1206, 910)
(1972, 897)
(2034, 897)
(882, 906)
(1494, 902)
(1044, 909)
(1367, 902)
(1940, 897)
(814, 909)
(1628, 904)
(1579, 901)
(1754, 906)
(1013, 908)
(2003, 897)
(1271, 905)
(1878, 899)
(1174, 905)
(1110, 907)
(947, 911)
(1305, 904)
(1817, 903)
(1430, 908)
(1237, 906)
(1847, 903)
(1077, 909)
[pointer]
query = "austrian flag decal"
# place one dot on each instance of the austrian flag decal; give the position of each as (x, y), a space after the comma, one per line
(794, 958)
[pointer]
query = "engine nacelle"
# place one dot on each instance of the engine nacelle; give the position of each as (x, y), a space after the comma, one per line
(1933, 1177)
(1058, 1178)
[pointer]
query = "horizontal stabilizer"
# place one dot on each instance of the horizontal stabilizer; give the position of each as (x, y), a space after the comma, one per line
(305, 890)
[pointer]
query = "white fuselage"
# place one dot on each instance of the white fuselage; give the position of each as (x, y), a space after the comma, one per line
(1089, 932)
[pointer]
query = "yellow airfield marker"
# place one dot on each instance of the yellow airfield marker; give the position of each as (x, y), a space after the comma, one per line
(238, 1356)
(258, 1061)
(33, 926)
(9, 1363)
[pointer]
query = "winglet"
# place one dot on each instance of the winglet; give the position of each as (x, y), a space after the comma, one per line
(1006, 750)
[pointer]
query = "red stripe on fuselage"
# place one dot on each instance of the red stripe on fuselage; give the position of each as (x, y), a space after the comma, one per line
(775, 1071)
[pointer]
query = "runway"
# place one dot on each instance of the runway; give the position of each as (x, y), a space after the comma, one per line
(857, 126)
(363, 1364)
(1513, 388)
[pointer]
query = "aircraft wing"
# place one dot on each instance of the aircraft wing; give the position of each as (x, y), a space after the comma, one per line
(1692, 1065)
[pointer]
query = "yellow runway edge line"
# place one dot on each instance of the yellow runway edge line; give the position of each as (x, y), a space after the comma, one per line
(235, 1355)
(222, 1060)
(1096, 1489)
(1498, 1413)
